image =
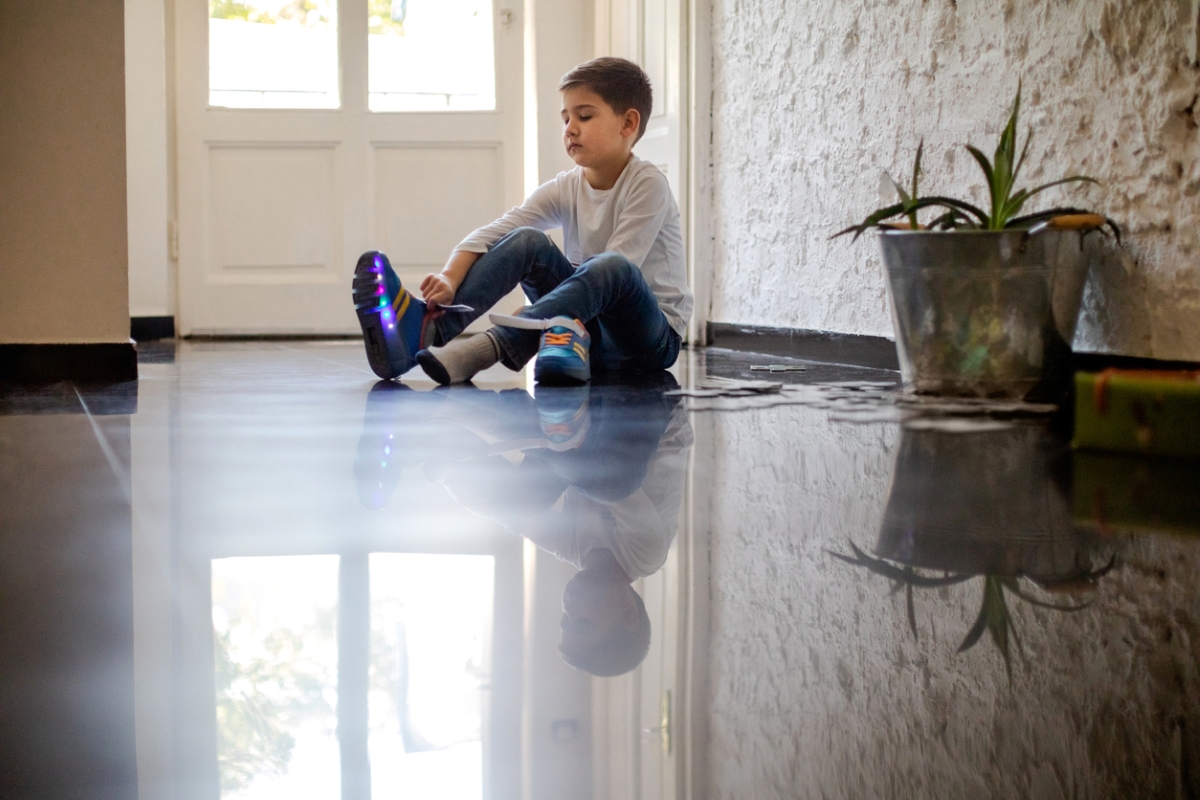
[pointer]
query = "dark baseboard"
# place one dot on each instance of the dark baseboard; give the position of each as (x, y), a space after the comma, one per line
(148, 329)
(876, 351)
(34, 363)
(100, 399)
(834, 348)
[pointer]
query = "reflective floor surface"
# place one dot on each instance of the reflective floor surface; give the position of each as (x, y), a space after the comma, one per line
(260, 573)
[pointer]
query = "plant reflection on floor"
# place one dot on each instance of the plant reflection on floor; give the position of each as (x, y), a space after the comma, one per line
(994, 616)
(258, 700)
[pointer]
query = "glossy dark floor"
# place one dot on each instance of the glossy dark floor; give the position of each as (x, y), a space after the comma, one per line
(260, 573)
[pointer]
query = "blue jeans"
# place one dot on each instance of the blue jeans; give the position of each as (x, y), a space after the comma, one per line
(607, 293)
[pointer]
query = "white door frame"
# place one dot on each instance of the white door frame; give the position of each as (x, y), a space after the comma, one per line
(619, 31)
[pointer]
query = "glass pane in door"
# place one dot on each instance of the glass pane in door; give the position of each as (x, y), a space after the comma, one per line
(431, 55)
(273, 53)
(431, 625)
(276, 653)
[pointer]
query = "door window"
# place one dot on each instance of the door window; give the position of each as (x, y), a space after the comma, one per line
(273, 54)
(431, 55)
(422, 55)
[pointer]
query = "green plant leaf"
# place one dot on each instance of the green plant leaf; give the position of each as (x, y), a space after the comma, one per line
(1060, 182)
(1013, 204)
(916, 182)
(959, 205)
(979, 626)
(949, 221)
(989, 173)
(1001, 624)
(1005, 161)
(1015, 588)
(888, 570)
(1090, 577)
(910, 607)
(871, 221)
(1024, 152)
(905, 198)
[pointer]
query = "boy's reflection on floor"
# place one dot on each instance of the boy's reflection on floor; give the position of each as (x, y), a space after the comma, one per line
(593, 474)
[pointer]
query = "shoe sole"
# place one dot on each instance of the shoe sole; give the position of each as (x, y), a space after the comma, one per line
(365, 290)
(558, 375)
(433, 368)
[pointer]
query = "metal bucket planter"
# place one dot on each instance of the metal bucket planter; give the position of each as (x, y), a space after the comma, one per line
(986, 313)
(991, 503)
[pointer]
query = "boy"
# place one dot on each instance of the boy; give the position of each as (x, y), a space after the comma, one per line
(599, 483)
(617, 299)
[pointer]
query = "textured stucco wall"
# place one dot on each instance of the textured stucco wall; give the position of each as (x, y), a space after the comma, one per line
(818, 690)
(814, 100)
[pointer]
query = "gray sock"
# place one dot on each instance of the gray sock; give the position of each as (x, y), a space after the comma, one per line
(461, 358)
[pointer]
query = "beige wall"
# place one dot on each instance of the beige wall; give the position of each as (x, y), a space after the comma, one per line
(63, 265)
(814, 100)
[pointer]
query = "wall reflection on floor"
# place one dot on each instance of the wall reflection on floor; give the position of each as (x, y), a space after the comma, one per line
(872, 590)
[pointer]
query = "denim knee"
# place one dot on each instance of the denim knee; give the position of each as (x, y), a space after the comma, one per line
(610, 267)
(527, 237)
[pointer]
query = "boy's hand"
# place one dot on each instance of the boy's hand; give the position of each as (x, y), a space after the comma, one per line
(438, 290)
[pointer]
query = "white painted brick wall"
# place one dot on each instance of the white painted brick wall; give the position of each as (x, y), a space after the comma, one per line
(814, 99)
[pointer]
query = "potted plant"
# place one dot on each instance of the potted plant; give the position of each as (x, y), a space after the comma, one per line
(985, 302)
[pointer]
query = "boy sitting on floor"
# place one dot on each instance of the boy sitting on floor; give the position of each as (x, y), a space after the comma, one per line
(619, 296)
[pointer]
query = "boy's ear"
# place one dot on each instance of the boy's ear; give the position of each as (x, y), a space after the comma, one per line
(631, 122)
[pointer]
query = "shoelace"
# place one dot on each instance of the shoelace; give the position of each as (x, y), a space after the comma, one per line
(558, 339)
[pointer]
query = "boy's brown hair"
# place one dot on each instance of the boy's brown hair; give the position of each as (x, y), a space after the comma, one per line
(620, 83)
(618, 652)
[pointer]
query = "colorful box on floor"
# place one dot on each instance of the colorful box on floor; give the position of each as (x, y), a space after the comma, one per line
(1138, 411)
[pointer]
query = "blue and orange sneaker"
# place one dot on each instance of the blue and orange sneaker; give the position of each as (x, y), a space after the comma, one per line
(562, 358)
(392, 320)
(563, 415)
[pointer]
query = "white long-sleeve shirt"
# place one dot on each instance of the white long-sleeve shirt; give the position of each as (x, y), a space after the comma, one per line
(637, 218)
(638, 529)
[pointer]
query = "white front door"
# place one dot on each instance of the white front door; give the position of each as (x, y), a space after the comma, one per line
(311, 132)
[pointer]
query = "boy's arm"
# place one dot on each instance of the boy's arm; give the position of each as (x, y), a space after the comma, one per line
(643, 216)
(439, 288)
(540, 210)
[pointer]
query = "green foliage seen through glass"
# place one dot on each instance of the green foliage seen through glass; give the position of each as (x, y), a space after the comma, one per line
(308, 13)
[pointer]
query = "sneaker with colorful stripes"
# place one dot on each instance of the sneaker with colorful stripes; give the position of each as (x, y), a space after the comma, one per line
(563, 353)
(392, 320)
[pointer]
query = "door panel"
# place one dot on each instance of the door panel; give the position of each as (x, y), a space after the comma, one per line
(272, 214)
(428, 196)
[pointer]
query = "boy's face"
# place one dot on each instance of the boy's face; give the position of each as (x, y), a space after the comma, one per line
(593, 134)
(595, 602)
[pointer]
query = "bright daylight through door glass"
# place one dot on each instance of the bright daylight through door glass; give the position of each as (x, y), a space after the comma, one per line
(431, 55)
(273, 53)
(431, 623)
(275, 648)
